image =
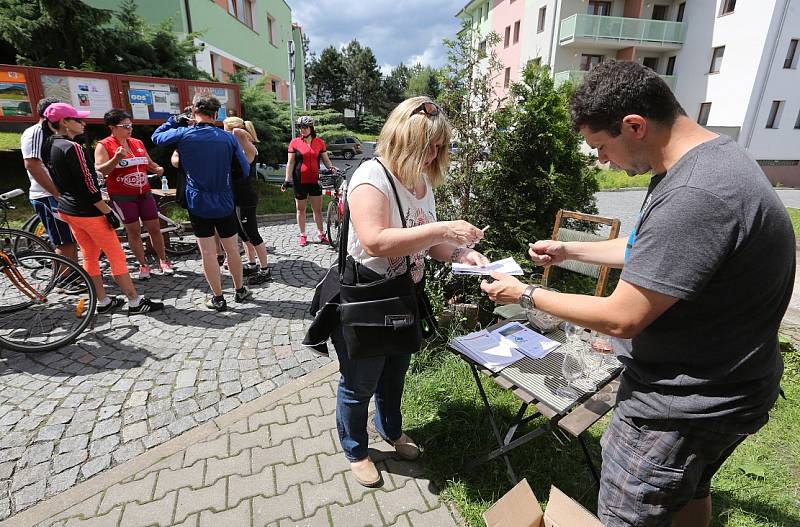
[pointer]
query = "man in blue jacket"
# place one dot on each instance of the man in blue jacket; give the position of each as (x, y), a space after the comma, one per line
(206, 155)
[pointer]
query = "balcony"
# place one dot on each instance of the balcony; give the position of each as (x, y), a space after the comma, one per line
(617, 32)
(576, 77)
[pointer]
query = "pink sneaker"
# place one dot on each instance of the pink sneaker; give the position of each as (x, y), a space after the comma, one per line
(302, 240)
(322, 238)
(166, 268)
(144, 272)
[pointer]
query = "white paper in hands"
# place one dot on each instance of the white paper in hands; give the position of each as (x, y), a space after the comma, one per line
(506, 265)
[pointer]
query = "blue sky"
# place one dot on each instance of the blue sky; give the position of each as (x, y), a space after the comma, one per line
(407, 31)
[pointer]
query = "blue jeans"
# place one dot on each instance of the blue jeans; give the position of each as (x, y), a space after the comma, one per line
(383, 377)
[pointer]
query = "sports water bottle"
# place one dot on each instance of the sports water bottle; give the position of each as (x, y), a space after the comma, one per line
(164, 183)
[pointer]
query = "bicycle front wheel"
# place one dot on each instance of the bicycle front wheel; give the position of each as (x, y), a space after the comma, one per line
(178, 237)
(63, 305)
(332, 223)
(18, 243)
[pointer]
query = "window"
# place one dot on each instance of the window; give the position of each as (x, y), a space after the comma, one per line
(516, 31)
(486, 11)
(271, 29)
(274, 86)
(650, 62)
(797, 122)
(702, 117)
(482, 46)
(507, 39)
(660, 12)
(599, 8)
(773, 121)
(670, 66)
(243, 10)
(716, 59)
(542, 14)
(681, 10)
(791, 56)
(216, 66)
(507, 78)
(727, 7)
(590, 61)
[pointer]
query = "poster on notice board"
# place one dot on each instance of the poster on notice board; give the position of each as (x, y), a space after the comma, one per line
(14, 98)
(150, 100)
(84, 93)
(225, 96)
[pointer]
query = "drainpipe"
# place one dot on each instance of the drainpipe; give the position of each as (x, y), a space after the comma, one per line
(189, 26)
(763, 87)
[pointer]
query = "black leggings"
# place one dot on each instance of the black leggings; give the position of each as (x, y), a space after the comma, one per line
(248, 225)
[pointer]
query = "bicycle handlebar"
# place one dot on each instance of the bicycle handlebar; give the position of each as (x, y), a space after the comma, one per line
(11, 194)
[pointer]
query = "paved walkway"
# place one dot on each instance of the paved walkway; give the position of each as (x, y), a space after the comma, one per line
(272, 462)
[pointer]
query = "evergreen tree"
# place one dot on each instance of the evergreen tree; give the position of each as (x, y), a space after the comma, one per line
(363, 77)
(326, 79)
(423, 80)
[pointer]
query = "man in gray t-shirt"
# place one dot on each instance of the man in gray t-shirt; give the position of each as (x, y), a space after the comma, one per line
(707, 276)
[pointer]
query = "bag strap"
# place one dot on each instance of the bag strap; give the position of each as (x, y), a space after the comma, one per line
(345, 228)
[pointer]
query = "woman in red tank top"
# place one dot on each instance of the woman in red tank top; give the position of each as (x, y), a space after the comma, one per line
(126, 163)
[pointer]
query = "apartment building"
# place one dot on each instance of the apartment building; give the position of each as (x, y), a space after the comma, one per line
(732, 64)
(234, 34)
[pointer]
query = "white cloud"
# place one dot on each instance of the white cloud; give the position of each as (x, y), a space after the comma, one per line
(408, 31)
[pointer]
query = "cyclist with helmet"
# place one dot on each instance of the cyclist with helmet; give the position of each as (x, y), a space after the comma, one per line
(302, 172)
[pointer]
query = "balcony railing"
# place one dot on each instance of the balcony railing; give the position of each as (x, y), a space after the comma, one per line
(627, 30)
(576, 77)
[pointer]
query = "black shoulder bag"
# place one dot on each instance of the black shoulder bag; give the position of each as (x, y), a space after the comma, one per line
(379, 317)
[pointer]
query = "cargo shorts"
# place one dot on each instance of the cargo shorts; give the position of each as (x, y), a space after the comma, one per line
(652, 468)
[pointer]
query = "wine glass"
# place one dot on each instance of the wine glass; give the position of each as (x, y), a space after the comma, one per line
(600, 347)
(574, 366)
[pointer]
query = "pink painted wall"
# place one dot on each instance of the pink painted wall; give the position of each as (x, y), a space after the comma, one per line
(505, 13)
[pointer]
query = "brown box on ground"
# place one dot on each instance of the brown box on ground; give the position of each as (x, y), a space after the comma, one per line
(520, 508)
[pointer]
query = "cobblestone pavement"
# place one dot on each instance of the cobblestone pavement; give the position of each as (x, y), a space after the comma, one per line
(274, 462)
(133, 383)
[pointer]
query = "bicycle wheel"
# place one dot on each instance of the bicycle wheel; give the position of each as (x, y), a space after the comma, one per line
(57, 315)
(332, 223)
(178, 237)
(17, 243)
(34, 226)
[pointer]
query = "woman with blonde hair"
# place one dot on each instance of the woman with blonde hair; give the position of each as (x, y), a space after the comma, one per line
(245, 197)
(412, 157)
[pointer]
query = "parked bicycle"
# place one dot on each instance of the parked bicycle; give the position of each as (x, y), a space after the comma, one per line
(46, 300)
(335, 186)
(178, 237)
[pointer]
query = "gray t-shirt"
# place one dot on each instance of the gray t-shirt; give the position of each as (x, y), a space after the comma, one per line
(712, 233)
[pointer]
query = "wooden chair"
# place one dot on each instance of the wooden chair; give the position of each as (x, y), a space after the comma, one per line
(564, 234)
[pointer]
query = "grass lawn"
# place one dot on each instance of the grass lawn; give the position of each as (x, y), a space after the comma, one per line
(758, 486)
(272, 201)
(794, 214)
(10, 140)
(614, 179)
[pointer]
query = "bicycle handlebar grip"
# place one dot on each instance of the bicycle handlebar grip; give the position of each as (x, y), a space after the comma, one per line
(12, 194)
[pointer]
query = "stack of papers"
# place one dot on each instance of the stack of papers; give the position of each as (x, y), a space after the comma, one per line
(506, 265)
(497, 349)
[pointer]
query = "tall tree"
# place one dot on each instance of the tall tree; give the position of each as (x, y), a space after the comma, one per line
(363, 76)
(393, 88)
(423, 80)
(326, 79)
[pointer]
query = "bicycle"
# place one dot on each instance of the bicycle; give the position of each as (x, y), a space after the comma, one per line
(173, 219)
(15, 242)
(335, 186)
(36, 315)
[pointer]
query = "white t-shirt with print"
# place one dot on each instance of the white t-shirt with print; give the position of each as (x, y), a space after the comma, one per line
(31, 144)
(416, 211)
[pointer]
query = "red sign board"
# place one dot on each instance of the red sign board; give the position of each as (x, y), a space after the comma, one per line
(151, 100)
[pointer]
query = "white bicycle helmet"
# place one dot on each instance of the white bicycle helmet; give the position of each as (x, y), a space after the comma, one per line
(305, 120)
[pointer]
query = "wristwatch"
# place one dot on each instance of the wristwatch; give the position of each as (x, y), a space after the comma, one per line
(526, 298)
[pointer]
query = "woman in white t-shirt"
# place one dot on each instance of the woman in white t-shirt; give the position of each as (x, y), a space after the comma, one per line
(413, 148)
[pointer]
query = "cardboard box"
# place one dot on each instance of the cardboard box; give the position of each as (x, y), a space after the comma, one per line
(520, 508)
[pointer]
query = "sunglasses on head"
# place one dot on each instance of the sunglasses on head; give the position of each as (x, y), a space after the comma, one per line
(428, 108)
(125, 126)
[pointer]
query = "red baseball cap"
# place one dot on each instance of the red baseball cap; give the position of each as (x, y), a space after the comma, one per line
(61, 110)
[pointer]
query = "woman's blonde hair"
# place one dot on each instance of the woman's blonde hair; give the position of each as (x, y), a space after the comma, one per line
(406, 137)
(237, 122)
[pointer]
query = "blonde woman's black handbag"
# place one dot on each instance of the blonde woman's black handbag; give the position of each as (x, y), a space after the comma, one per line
(381, 316)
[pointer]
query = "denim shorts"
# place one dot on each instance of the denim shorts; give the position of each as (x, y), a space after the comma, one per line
(652, 468)
(57, 230)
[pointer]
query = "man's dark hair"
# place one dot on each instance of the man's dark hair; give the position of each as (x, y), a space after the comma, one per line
(614, 89)
(115, 116)
(42, 105)
(206, 104)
